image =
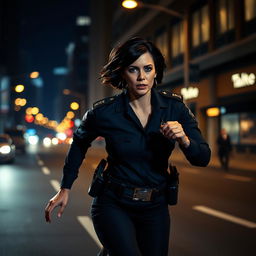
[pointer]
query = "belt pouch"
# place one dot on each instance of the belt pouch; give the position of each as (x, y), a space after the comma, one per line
(172, 186)
(97, 184)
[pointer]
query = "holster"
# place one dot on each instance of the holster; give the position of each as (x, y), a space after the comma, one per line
(97, 184)
(172, 185)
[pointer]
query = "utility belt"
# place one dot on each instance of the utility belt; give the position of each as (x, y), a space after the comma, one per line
(134, 193)
(100, 182)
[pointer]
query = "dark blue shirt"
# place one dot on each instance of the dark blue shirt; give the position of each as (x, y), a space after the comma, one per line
(138, 156)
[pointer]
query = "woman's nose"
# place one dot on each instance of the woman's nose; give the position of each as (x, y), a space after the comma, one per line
(141, 76)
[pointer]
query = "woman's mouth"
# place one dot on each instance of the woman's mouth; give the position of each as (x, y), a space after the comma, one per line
(141, 86)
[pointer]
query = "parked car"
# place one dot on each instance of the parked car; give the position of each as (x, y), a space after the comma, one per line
(18, 139)
(7, 149)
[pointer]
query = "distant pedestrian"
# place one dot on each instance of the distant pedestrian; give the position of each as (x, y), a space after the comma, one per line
(224, 148)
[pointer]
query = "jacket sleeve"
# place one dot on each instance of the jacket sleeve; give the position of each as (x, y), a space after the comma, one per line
(82, 139)
(198, 153)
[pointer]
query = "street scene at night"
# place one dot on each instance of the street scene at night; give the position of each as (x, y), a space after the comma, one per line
(58, 98)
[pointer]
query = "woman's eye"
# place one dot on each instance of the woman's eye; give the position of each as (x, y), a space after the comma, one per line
(148, 69)
(132, 70)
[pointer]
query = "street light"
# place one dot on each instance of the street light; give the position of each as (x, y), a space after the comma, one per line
(131, 4)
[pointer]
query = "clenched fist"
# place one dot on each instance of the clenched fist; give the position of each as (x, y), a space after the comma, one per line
(174, 130)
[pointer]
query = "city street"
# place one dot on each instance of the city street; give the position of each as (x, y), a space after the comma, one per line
(215, 214)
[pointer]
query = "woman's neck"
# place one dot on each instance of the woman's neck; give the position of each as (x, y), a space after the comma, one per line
(143, 102)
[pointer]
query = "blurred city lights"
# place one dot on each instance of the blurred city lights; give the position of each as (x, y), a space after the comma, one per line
(29, 111)
(20, 102)
(34, 111)
(19, 88)
(74, 105)
(129, 4)
(39, 117)
(55, 141)
(77, 122)
(70, 114)
(33, 140)
(83, 21)
(5, 149)
(223, 110)
(66, 91)
(47, 142)
(17, 108)
(211, 112)
(29, 118)
(61, 135)
(34, 74)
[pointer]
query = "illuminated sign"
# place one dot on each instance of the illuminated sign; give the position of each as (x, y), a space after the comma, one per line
(243, 80)
(189, 93)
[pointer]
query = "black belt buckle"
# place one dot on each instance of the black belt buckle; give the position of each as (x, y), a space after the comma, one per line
(142, 194)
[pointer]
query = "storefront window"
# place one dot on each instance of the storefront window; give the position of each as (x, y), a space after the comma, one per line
(177, 39)
(250, 9)
(247, 128)
(231, 123)
(225, 15)
(200, 29)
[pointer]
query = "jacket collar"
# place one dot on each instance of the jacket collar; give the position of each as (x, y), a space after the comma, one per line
(157, 101)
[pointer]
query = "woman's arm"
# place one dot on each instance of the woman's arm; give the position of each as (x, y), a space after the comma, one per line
(186, 132)
(82, 139)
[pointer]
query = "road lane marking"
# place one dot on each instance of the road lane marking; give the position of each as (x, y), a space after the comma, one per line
(55, 184)
(225, 216)
(86, 222)
(45, 170)
(40, 162)
(238, 178)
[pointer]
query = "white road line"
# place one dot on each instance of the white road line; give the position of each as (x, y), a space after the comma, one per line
(86, 222)
(55, 184)
(225, 216)
(40, 162)
(45, 170)
(238, 178)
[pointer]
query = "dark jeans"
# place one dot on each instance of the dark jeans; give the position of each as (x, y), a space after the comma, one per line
(131, 228)
(224, 159)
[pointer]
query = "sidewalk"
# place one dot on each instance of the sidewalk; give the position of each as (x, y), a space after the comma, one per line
(237, 161)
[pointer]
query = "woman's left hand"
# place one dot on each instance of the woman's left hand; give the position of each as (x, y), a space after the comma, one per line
(174, 130)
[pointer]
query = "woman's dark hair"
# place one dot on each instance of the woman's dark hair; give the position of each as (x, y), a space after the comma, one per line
(125, 54)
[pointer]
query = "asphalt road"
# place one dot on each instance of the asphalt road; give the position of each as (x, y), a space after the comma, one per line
(216, 214)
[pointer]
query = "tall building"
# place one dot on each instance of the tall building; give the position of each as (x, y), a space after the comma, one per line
(9, 61)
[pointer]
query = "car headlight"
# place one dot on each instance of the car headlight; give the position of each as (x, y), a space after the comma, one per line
(5, 149)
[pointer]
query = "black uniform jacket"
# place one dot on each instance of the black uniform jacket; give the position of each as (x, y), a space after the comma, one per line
(136, 155)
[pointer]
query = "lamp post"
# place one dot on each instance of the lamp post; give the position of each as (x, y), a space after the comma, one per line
(131, 4)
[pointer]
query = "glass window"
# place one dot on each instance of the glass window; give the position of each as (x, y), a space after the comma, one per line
(177, 39)
(205, 24)
(250, 9)
(225, 15)
(195, 29)
(200, 26)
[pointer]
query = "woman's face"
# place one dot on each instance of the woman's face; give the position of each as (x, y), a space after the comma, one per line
(140, 75)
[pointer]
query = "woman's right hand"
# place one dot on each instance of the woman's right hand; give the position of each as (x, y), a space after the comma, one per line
(60, 199)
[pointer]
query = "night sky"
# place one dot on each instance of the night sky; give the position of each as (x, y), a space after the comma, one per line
(46, 29)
